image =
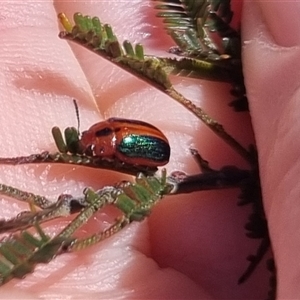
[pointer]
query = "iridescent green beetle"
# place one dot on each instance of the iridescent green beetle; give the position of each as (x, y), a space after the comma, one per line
(130, 141)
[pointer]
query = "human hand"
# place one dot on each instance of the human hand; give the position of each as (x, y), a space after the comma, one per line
(192, 246)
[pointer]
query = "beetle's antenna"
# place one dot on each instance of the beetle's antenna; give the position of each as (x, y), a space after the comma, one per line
(77, 114)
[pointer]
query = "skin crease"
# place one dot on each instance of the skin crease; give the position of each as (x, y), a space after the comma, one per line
(192, 246)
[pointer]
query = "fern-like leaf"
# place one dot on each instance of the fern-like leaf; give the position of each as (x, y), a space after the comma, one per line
(88, 33)
(134, 199)
(193, 24)
(101, 39)
(19, 253)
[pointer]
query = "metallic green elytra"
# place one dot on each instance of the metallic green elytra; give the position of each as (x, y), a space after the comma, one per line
(143, 146)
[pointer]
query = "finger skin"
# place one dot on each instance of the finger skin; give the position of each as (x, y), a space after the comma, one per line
(193, 246)
(271, 63)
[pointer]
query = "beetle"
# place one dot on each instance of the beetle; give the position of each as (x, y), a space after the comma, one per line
(130, 141)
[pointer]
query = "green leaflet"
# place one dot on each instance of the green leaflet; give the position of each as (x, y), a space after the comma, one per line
(22, 251)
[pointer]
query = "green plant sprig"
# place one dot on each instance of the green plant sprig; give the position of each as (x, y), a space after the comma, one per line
(21, 252)
(194, 24)
(135, 200)
(69, 153)
(203, 33)
(93, 35)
